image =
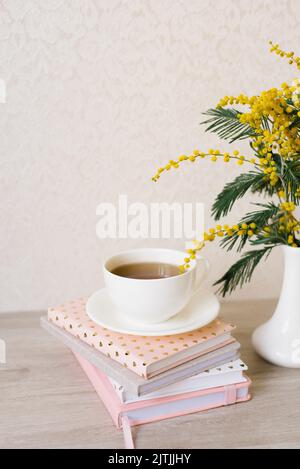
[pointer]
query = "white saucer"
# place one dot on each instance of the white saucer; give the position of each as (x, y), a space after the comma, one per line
(202, 309)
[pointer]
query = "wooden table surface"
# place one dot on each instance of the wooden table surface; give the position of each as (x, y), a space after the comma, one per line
(47, 402)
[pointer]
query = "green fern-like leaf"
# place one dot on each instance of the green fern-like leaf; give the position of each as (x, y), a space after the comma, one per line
(226, 124)
(236, 189)
(242, 270)
(291, 175)
(266, 123)
(259, 217)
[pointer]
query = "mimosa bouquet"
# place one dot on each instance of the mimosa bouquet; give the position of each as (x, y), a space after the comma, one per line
(271, 123)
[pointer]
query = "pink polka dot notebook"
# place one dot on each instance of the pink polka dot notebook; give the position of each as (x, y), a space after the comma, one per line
(145, 356)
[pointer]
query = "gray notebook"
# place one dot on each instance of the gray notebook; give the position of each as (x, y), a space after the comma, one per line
(135, 384)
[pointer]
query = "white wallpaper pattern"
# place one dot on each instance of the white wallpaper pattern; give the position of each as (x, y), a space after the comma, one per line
(101, 92)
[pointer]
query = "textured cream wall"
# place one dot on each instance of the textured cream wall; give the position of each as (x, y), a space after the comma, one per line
(100, 92)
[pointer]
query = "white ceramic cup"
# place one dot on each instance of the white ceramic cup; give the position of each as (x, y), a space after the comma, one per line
(148, 301)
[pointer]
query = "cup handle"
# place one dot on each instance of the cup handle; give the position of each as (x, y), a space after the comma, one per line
(202, 264)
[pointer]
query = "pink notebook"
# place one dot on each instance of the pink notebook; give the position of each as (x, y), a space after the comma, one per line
(144, 411)
(146, 356)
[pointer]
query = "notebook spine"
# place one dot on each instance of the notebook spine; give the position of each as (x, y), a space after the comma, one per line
(102, 387)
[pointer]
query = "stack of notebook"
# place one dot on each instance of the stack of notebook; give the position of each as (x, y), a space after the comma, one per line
(143, 379)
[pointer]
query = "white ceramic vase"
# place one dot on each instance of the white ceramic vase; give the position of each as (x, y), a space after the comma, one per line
(278, 340)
